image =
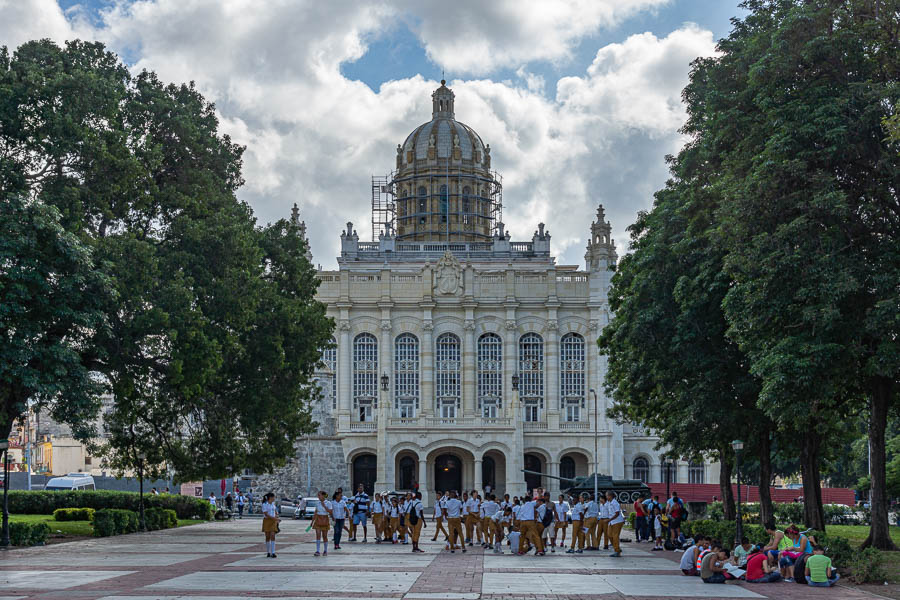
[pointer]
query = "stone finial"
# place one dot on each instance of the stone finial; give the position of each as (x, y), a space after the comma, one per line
(295, 213)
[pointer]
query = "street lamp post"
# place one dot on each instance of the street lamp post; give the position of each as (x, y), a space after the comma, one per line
(4, 542)
(738, 445)
(141, 457)
(596, 442)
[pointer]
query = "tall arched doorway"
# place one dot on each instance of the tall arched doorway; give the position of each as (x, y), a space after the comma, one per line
(488, 474)
(532, 463)
(447, 473)
(365, 471)
(407, 472)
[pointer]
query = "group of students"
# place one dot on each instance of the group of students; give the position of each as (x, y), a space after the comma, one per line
(528, 523)
(711, 560)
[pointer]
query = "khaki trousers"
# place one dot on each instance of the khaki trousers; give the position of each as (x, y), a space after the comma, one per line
(455, 528)
(577, 535)
(614, 531)
(393, 526)
(529, 531)
(378, 521)
(470, 525)
(416, 531)
(440, 528)
(591, 534)
(602, 534)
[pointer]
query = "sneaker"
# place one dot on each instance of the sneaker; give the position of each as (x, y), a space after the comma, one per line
(377, 541)
(552, 548)
(788, 580)
(268, 555)
(453, 552)
(364, 540)
(353, 539)
(539, 554)
(464, 550)
(616, 554)
(317, 554)
(570, 551)
(337, 547)
(579, 551)
(276, 556)
(325, 553)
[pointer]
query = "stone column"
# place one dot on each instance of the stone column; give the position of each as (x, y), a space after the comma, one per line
(510, 362)
(344, 376)
(385, 360)
(515, 462)
(683, 474)
(427, 372)
(424, 483)
(553, 485)
(468, 369)
(381, 444)
(478, 483)
(551, 368)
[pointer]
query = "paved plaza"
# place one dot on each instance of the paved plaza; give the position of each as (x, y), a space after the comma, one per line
(227, 561)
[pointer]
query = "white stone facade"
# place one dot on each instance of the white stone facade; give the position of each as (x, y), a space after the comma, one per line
(448, 324)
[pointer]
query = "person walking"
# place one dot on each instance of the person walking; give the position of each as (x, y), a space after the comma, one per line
(241, 500)
(394, 520)
(562, 521)
(602, 521)
(360, 512)
(488, 508)
(528, 528)
(339, 512)
(591, 514)
(322, 521)
(439, 516)
(640, 520)
(615, 524)
(415, 518)
(270, 523)
(452, 513)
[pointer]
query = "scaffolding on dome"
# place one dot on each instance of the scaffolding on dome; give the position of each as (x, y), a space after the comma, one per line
(471, 209)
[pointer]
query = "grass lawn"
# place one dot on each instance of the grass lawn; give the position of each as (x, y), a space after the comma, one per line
(75, 528)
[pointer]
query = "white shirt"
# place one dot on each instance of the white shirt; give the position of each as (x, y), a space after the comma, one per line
(241, 500)
(469, 503)
(526, 513)
(394, 511)
(490, 508)
(604, 511)
(453, 507)
(322, 507)
(541, 511)
(338, 509)
(377, 507)
(417, 504)
(591, 510)
(578, 512)
(268, 509)
(561, 509)
(212, 500)
(615, 512)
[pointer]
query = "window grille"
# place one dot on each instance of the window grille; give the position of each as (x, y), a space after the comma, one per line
(447, 365)
(326, 376)
(696, 473)
(531, 368)
(406, 374)
(490, 370)
(365, 371)
(641, 470)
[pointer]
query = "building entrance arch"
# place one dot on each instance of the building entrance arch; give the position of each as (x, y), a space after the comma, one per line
(365, 471)
(448, 471)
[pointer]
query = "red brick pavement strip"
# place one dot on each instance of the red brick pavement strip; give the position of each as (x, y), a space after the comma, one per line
(452, 573)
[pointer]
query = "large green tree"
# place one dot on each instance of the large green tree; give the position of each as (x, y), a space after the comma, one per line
(795, 104)
(51, 304)
(215, 332)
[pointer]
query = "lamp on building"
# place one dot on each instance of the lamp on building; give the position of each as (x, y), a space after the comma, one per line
(515, 382)
(738, 445)
(385, 380)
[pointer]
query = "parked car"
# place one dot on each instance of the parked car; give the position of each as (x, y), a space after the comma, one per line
(308, 510)
(287, 507)
(71, 481)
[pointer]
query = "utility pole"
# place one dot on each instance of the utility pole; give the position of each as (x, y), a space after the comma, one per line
(4, 541)
(596, 442)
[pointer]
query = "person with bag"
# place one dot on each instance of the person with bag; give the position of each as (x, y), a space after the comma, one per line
(603, 518)
(439, 516)
(339, 513)
(270, 523)
(240, 504)
(415, 518)
(322, 521)
(452, 513)
(577, 527)
(615, 524)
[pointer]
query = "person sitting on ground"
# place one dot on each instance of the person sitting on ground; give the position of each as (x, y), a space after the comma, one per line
(777, 542)
(819, 570)
(689, 558)
(711, 569)
(758, 568)
(741, 552)
(788, 557)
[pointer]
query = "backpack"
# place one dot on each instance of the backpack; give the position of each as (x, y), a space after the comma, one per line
(413, 517)
(548, 516)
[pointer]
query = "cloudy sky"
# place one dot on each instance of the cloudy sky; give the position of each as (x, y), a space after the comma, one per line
(579, 99)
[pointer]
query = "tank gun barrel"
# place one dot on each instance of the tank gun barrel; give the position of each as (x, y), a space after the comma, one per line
(550, 476)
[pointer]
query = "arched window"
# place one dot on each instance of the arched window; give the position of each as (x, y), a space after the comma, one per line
(445, 202)
(640, 469)
(490, 375)
(668, 471)
(567, 468)
(447, 363)
(407, 472)
(326, 377)
(571, 381)
(531, 375)
(365, 375)
(406, 375)
(423, 203)
(466, 204)
(696, 473)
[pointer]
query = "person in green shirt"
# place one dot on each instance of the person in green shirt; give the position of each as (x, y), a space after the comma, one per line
(740, 553)
(819, 572)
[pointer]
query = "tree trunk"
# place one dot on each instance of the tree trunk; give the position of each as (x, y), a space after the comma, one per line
(879, 533)
(813, 514)
(725, 486)
(766, 510)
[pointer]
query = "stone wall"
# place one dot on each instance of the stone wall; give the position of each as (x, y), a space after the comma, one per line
(327, 466)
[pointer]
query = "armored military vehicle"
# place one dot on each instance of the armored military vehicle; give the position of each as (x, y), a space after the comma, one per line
(627, 490)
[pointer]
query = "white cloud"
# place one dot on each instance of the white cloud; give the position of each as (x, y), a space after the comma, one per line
(314, 137)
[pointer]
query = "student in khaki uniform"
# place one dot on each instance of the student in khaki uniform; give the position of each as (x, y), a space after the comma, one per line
(415, 518)
(322, 522)
(394, 520)
(591, 514)
(453, 513)
(528, 528)
(577, 528)
(439, 516)
(378, 517)
(616, 521)
(602, 521)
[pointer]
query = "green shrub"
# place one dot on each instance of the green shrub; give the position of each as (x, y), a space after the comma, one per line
(115, 521)
(73, 514)
(724, 531)
(837, 548)
(28, 534)
(44, 502)
(160, 518)
(791, 512)
(632, 517)
(868, 566)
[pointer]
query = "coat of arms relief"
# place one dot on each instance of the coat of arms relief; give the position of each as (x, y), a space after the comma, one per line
(448, 276)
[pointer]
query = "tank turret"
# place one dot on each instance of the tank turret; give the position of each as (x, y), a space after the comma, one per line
(626, 490)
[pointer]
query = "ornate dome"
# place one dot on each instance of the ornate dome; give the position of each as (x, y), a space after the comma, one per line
(444, 133)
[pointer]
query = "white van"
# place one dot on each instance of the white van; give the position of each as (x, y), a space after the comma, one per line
(71, 481)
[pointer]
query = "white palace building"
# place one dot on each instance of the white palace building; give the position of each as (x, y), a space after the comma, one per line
(462, 357)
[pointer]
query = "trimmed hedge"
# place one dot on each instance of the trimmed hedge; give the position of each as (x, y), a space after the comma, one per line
(724, 531)
(115, 521)
(160, 518)
(73, 514)
(28, 534)
(44, 502)
(792, 512)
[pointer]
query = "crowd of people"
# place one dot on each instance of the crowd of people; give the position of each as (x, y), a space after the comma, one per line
(540, 525)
